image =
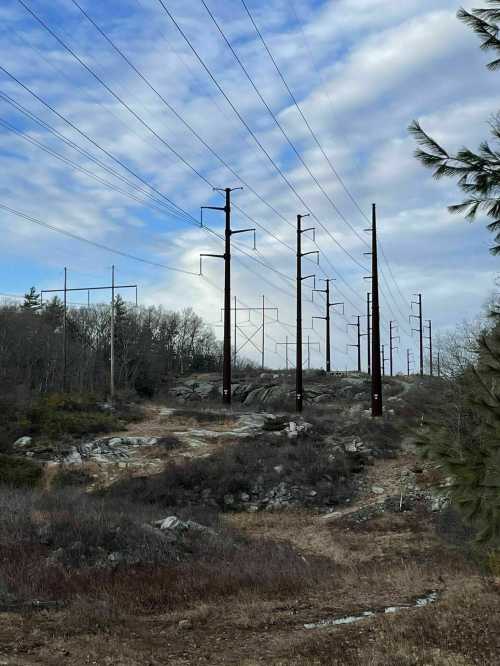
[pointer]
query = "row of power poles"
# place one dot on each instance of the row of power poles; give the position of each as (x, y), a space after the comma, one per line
(376, 352)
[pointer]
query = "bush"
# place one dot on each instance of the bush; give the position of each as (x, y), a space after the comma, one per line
(56, 415)
(71, 476)
(252, 465)
(19, 472)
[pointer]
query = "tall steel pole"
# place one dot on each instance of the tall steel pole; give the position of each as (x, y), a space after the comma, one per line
(298, 365)
(431, 360)
(235, 330)
(65, 332)
(328, 343)
(421, 334)
(112, 368)
(263, 328)
(368, 331)
(377, 399)
(226, 364)
(327, 319)
(392, 348)
(299, 386)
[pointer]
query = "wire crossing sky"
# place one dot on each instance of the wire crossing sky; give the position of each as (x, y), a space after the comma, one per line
(119, 119)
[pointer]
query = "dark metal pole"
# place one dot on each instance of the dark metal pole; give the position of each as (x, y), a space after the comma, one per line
(226, 368)
(359, 343)
(391, 326)
(368, 331)
(308, 354)
(112, 368)
(286, 347)
(298, 364)
(377, 401)
(263, 329)
(65, 331)
(383, 360)
(408, 362)
(439, 364)
(421, 334)
(328, 306)
(235, 329)
(431, 364)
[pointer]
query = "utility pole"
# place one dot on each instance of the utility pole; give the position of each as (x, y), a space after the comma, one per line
(409, 361)
(393, 338)
(429, 338)
(358, 345)
(235, 329)
(419, 330)
(299, 386)
(286, 344)
(249, 339)
(65, 332)
(368, 331)
(327, 319)
(228, 232)
(263, 328)
(307, 344)
(439, 363)
(66, 290)
(383, 361)
(112, 369)
(377, 398)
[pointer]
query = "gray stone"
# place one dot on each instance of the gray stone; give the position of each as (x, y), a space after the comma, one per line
(74, 457)
(378, 490)
(23, 442)
(185, 624)
(244, 497)
(279, 469)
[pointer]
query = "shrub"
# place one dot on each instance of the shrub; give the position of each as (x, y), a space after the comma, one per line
(251, 465)
(19, 472)
(71, 476)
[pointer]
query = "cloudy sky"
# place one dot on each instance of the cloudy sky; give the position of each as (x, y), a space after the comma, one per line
(118, 119)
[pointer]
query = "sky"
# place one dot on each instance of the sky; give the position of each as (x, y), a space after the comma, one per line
(118, 119)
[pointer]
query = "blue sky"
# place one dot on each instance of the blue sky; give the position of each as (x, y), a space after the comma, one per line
(360, 70)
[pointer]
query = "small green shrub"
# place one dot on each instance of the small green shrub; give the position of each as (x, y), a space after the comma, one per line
(19, 472)
(57, 415)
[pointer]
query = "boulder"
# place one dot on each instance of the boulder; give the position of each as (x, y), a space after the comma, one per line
(23, 442)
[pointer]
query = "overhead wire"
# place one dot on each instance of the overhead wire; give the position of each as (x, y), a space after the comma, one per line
(252, 133)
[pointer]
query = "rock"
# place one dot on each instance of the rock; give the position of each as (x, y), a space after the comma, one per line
(228, 500)
(279, 469)
(378, 490)
(244, 497)
(115, 557)
(23, 442)
(439, 502)
(171, 523)
(185, 624)
(74, 457)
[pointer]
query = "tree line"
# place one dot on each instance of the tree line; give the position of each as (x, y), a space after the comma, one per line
(151, 345)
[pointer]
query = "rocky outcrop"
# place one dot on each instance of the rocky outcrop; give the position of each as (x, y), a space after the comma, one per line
(270, 389)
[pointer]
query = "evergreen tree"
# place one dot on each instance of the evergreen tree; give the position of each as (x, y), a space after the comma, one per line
(468, 447)
(32, 300)
(477, 173)
(53, 312)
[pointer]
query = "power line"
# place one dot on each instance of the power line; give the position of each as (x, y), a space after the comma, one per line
(311, 131)
(100, 246)
(252, 133)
